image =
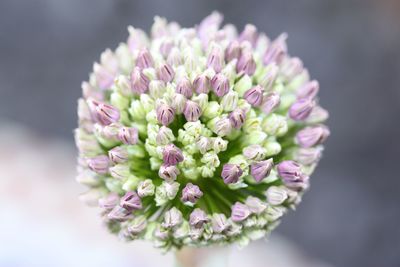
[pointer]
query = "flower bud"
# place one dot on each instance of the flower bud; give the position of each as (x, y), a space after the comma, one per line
(229, 101)
(156, 89)
(220, 84)
(231, 173)
(119, 214)
(172, 218)
(239, 212)
(249, 34)
(144, 59)
(178, 103)
(139, 81)
(215, 59)
(165, 48)
(308, 156)
(174, 58)
(165, 73)
(255, 205)
(237, 118)
(260, 170)
(311, 136)
(232, 51)
(254, 96)
(270, 103)
(99, 164)
(165, 114)
(276, 195)
(291, 68)
(191, 193)
(246, 63)
(164, 136)
(106, 114)
(220, 223)
(172, 155)
(168, 172)
(254, 152)
(120, 171)
(276, 51)
(275, 125)
(198, 218)
(317, 115)
(301, 109)
(202, 84)
(137, 225)
(192, 111)
(203, 144)
(269, 78)
(109, 202)
(212, 110)
(184, 87)
(128, 135)
(219, 144)
(131, 201)
(145, 188)
(223, 127)
(118, 155)
(308, 90)
(289, 170)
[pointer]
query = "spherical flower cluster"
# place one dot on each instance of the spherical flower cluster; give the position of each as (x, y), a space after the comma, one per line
(198, 136)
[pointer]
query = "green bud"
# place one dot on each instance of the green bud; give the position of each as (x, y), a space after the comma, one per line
(243, 85)
(275, 124)
(131, 183)
(212, 110)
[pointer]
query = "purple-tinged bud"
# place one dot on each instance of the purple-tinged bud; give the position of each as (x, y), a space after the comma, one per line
(168, 172)
(220, 84)
(276, 195)
(254, 95)
(164, 136)
(231, 173)
(216, 59)
(144, 59)
(165, 114)
(104, 77)
(131, 201)
(178, 103)
(128, 135)
(106, 114)
(246, 63)
(254, 152)
(120, 171)
(220, 223)
(317, 115)
(198, 218)
(301, 109)
(308, 156)
(208, 26)
(165, 48)
(172, 155)
(191, 193)
(99, 164)
(192, 111)
(89, 92)
(165, 73)
(268, 80)
(232, 51)
(270, 103)
(311, 136)
(249, 34)
(137, 225)
(289, 170)
(202, 84)
(172, 218)
(308, 90)
(276, 51)
(139, 81)
(184, 87)
(175, 58)
(223, 127)
(111, 131)
(109, 202)
(237, 118)
(292, 67)
(301, 182)
(119, 214)
(118, 155)
(240, 212)
(255, 205)
(262, 169)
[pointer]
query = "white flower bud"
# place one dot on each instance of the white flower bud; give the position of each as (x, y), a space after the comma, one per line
(210, 159)
(137, 111)
(275, 124)
(219, 144)
(229, 101)
(272, 148)
(243, 85)
(202, 100)
(145, 188)
(276, 195)
(178, 103)
(255, 205)
(203, 144)
(212, 110)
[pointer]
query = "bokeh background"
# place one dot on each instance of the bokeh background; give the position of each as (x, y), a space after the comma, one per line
(350, 217)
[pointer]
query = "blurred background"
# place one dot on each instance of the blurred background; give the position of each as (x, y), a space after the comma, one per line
(350, 217)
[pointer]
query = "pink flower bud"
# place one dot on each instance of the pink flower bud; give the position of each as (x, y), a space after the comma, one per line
(308, 90)
(168, 172)
(104, 77)
(237, 118)
(106, 114)
(131, 201)
(119, 214)
(202, 84)
(118, 155)
(311, 136)
(231, 173)
(246, 63)
(291, 68)
(144, 59)
(276, 51)
(165, 48)
(301, 109)
(192, 111)
(164, 136)
(270, 103)
(223, 127)
(255, 205)
(216, 59)
(184, 87)
(139, 81)
(240, 212)
(165, 73)
(191, 193)
(262, 169)
(165, 114)
(289, 170)
(109, 202)
(254, 152)
(220, 223)
(232, 51)
(220, 84)
(300, 182)
(198, 218)
(254, 95)
(128, 135)
(249, 34)
(99, 164)
(172, 155)
(172, 218)
(308, 156)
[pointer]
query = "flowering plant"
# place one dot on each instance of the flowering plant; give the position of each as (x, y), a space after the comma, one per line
(198, 136)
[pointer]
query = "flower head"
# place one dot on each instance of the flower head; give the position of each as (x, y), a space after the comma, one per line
(198, 136)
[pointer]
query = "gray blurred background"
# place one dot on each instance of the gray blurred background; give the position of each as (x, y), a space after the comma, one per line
(350, 217)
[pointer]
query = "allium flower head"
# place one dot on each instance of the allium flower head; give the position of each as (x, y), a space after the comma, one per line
(198, 136)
